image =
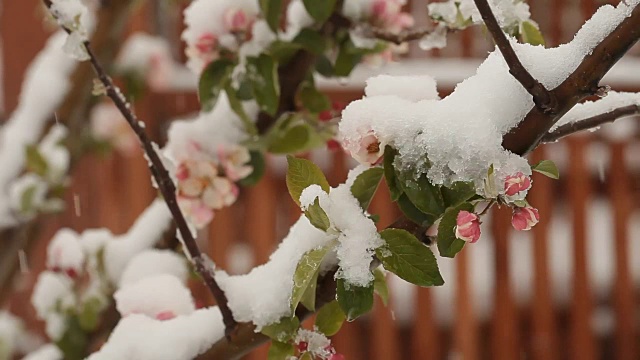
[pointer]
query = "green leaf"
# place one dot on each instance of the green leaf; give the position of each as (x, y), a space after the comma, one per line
(284, 330)
(380, 285)
(36, 163)
(306, 273)
(280, 351)
(258, 164)
(365, 185)
(413, 213)
(390, 174)
(354, 300)
(90, 315)
(27, 198)
(330, 318)
(283, 51)
(317, 217)
(312, 99)
(346, 60)
(457, 193)
(301, 174)
(293, 140)
(547, 168)
(263, 74)
(212, 80)
(237, 108)
(424, 195)
(74, 340)
(306, 356)
(448, 244)
(271, 10)
(319, 10)
(311, 40)
(407, 257)
(324, 66)
(530, 33)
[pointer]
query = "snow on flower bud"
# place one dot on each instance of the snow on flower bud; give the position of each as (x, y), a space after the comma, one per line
(467, 226)
(206, 43)
(524, 218)
(517, 183)
(369, 150)
(65, 254)
(236, 20)
(161, 297)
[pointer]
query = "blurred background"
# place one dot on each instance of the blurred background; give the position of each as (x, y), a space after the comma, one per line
(568, 289)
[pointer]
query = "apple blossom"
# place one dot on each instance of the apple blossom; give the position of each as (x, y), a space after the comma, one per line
(467, 226)
(65, 253)
(517, 183)
(524, 218)
(234, 160)
(369, 149)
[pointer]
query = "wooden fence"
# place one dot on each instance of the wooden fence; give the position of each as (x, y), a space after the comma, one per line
(496, 310)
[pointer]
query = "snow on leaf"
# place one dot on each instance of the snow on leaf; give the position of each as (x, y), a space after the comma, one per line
(302, 173)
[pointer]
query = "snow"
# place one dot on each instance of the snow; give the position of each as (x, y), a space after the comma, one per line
(154, 295)
(154, 262)
(297, 18)
(149, 57)
(144, 233)
(317, 344)
(52, 295)
(263, 295)
(46, 352)
(356, 233)
(55, 154)
(462, 133)
(182, 338)
(65, 252)
(412, 88)
(456, 13)
(50, 70)
(620, 129)
(74, 17)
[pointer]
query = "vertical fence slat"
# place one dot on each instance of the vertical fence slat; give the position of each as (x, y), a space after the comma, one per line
(544, 345)
(623, 294)
(466, 327)
(582, 344)
(384, 332)
(504, 325)
(425, 335)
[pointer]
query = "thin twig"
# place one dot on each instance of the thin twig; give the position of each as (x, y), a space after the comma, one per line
(543, 98)
(590, 123)
(165, 185)
(396, 38)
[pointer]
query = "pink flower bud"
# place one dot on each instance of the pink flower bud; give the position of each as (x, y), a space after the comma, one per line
(336, 357)
(467, 226)
(302, 346)
(165, 315)
(514, 184)
(236, 20)
(206, 43)
(524, 218)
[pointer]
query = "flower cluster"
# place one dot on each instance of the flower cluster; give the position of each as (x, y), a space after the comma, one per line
(215, 27)
(207, 183)
(148, 58)
(524, 216)
(383, 14)
(315, 344)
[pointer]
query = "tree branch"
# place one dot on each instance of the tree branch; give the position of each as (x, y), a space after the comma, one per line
(580, 84)
(543, 98)
(165, 185)
(396, 38)
(590, 123)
